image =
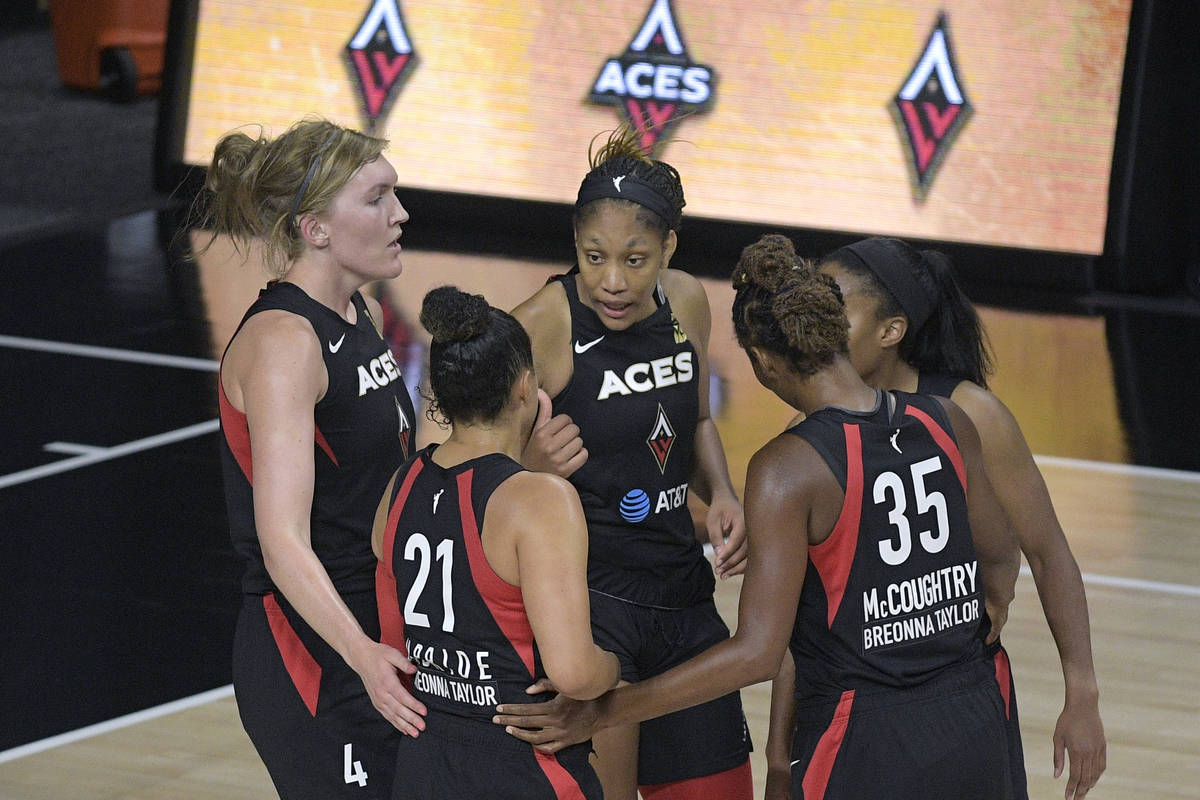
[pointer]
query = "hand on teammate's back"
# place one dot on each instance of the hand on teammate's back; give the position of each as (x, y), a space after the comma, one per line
(379, 666)
(552, 725)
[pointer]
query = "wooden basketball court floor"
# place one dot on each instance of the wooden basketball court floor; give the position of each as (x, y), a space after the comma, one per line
(1134, 531)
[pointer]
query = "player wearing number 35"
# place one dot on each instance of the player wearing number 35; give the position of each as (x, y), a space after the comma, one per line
(482, 579)
(865, 553)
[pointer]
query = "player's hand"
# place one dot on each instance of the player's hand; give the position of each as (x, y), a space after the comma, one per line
(998, 615)
(555, 445)
(552, 725)
(1080, 733)
(380, 666)
(726, 524)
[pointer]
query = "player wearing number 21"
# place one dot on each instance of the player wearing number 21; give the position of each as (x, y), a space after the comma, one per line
(483, 571)
(866, 555)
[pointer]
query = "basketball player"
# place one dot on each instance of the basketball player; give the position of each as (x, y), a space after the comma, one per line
(864, 551)
(912, 328)
(315, 418)
(483, 571)
(621, 345)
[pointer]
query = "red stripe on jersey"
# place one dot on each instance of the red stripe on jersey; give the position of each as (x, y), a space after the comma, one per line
(944, 440)
(1004, 680)
(301, 666)
(816, 777)
(324, 445)
(564, 784)
(387, 597)
(503, 599)
(237, 432)
(834, 556)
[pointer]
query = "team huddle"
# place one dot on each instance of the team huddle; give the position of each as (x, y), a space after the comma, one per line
(526, 609)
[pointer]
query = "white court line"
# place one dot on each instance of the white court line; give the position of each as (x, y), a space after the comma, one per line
(73, 449)
(1119, 469)
(116, 724)
(110, 353)
(108, 453)
(1133, 583)
(227, 691)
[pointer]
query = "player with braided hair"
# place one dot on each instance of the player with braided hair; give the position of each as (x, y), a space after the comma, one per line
(621, 345)
(865, 557)
(912, 328)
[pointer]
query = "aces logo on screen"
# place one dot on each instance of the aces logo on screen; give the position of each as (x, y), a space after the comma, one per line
(931, 107)
(381, 57)
(654, 82)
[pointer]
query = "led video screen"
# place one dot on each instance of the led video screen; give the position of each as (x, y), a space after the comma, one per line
(973, 121)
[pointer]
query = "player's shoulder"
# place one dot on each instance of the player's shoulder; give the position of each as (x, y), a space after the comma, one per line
(540, 493)
(985, 409)
(683, 287)
(277, 332)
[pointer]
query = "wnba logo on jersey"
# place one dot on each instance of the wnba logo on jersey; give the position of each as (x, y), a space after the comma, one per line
(931, 107)
(661, 437)
(654, 82)
(381, 57)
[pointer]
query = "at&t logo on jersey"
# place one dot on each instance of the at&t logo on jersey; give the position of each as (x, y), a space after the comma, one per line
(635, 505)
(381, 56)
(931, 107)
(655, 82)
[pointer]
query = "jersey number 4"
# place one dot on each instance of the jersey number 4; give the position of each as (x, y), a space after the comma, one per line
(895, 552)
(417, 549)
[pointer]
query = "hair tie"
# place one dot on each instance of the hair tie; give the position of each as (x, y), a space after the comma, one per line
(895, 276)
(625, 187)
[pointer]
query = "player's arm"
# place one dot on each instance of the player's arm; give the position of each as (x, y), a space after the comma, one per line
(709, 479)
(555, 445)
(281, 376)
(544, 516)
(995, 546)
(1026, 502)
(777, 513)
(779, 731)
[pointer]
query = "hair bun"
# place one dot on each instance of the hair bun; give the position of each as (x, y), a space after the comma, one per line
(766, 263)
(451, 315)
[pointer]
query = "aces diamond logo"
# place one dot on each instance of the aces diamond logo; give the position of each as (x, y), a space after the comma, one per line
(931, 107)
(655, 82)
(381, 57)
(661, 437)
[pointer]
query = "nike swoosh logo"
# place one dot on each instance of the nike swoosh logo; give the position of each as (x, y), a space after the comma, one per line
(333, 348)
(583, 348)
(794, 763)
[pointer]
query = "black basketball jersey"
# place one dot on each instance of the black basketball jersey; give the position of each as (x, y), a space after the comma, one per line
(940, 385)
(441, 603)
(363, 432)
(634, 395)
(893, 597)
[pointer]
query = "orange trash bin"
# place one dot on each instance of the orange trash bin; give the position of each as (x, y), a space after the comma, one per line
(114, 46)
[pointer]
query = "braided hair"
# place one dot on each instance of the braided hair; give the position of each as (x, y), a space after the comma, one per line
(782, 304)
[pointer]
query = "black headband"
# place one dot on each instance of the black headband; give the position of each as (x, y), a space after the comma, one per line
(626, 187)
(896, 277)
(312, 170)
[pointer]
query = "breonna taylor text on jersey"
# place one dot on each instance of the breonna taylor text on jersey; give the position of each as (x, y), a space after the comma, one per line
(894, 596)
(439, 599)
(363, 432)
(634, 395)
